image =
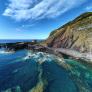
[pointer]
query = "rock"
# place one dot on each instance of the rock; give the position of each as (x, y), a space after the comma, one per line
(76, 34)
(17, 46)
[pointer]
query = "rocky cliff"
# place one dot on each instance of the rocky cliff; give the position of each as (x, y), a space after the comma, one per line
(76, 34)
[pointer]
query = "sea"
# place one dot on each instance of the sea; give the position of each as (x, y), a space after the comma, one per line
(18, 40)
(28, 71)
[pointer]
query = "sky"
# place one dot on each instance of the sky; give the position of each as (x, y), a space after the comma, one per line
(35, 19)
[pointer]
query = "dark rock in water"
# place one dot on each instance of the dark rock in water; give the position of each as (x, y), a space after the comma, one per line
(17, 46)
(40, 48)
(37, 48)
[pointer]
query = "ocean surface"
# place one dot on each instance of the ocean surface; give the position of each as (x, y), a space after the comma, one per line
(26, 71)
(17, 40)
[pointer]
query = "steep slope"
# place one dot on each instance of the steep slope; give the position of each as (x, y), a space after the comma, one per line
(76, 34)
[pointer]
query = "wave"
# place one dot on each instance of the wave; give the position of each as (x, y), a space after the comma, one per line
(3, 51)
(6, 52)
(29, 55)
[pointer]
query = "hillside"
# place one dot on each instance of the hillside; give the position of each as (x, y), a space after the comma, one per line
(76, 34)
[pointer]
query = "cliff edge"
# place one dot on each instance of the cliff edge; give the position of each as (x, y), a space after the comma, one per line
(76, 34)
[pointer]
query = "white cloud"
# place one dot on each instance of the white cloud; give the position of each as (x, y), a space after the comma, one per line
(89, 8)
(39, 9)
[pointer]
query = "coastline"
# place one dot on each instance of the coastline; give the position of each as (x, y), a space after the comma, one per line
(37, 51)
(60, 52)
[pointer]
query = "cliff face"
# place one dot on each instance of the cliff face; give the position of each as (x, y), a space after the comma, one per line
(76, 34)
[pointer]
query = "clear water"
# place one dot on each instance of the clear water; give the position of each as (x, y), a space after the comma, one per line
(42, 73)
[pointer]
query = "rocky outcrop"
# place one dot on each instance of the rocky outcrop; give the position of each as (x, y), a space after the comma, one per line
(76, 34)
(16, 46)
(40, 48)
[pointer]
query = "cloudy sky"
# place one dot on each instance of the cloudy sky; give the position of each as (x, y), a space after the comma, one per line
(35, 19)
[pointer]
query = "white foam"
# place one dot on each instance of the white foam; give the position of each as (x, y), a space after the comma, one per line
(87, 56)
(28, 56)
(6, 52)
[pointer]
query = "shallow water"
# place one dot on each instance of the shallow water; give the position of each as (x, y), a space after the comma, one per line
(42, 73)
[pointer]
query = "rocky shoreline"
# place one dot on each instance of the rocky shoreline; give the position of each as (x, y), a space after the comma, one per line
(12, 47)
(60, 52)
(16, 46)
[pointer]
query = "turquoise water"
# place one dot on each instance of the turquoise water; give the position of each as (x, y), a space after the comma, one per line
(42, 73)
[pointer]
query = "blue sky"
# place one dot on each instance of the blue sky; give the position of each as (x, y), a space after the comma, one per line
(35, 19)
